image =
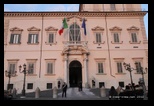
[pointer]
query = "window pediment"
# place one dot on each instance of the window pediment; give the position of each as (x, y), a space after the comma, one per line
(115, 28)
(133, 28)
(33, 29)
(97, 28)
(78, 17)
(50, 28)
(16, 29)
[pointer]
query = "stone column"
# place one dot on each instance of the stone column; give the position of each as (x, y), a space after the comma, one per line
(37, 92)
(86, 69)
(65, 68)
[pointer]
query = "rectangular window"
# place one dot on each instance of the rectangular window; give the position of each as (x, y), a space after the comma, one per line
(119, 67)
(51, 38)
(100, 67)
(138, 67)
(30, 86)
(15, 38)
(101, 84)
(134, 37)
(30, 68)
(49, 68)
(49, 85)
(112, 6)
(33, 38)
(98, 38)
(12, 68)
(116, 37)
(121, 84)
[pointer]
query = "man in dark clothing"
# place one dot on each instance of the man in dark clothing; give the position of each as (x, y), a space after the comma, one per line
(80, 86)
(64, 88)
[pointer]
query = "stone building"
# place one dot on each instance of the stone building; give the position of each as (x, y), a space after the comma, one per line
(115, 33)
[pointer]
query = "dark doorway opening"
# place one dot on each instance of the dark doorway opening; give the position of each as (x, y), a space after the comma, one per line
(75, 73)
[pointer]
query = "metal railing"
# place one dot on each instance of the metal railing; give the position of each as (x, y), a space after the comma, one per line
(75, 43)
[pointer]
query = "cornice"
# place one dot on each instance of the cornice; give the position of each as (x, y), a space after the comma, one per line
(80, 14)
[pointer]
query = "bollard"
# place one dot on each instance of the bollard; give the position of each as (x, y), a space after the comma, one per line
(103, 91)
(55, 92)
(37, 92)
(14, 93)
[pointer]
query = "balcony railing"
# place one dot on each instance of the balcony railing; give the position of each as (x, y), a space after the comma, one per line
(75, 43)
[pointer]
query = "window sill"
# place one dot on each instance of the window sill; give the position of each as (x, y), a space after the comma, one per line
(98, 42)
(32, 43)
(116, 42)
(101, 74)
(120, 73)
(31, 74)
(49, 74)
(134, 42)
(54, 43)
(14, 43)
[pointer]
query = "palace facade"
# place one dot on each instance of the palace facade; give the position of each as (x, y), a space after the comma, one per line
(115, 33)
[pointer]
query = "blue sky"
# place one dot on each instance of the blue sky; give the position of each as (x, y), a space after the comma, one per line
(59, 7)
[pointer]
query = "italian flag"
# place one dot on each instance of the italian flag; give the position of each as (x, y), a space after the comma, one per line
(64, 26)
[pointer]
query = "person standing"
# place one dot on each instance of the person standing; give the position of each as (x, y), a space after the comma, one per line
(64, 89)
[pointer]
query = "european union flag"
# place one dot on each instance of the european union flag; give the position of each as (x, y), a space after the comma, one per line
(84, 26)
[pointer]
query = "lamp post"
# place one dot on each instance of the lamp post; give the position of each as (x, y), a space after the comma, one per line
(24, 71)
(9, 75)
(130, 69)
(142, 72)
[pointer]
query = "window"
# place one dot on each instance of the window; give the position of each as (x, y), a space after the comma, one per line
(30, 68)
(51, 38)
(98, 38)
(121, 84)
(15, 38)
(134, 37)
(49, 68)
(116, 37)
(138, 67)
(30, 86)
(100, 67)
(12, 68)
(33, 38)
(49, 85)
(112, 6)
(101, 84)
(119, 67)
(74, 33)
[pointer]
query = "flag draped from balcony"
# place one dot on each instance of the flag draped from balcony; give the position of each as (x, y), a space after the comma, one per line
(64, 26)
(84, 26)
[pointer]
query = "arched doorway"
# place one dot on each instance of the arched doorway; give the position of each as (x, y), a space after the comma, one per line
(75, 73)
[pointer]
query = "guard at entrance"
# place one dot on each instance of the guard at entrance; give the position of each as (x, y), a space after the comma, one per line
(93, 84)
(58, 84)
(64, 88)
(80, 86)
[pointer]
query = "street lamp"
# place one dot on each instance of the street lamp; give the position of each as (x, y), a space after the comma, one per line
(9, 75)
(130, 69)
(140, 68)
(25, 72)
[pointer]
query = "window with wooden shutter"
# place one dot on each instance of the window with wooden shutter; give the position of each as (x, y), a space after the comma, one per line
(49, 68)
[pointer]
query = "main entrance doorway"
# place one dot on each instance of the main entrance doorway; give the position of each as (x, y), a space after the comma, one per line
(75, 73)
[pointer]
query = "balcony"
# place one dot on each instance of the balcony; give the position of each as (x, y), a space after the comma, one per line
(75, 43)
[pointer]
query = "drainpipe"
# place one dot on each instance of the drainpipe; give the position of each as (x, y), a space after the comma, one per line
(41, 47)
(108, 47)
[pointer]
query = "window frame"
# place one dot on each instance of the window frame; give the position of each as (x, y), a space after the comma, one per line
(100, 60)
(14, 39)
(34, 36)
(31, 61)
(53, 66)
(77, 37)
(113, 37)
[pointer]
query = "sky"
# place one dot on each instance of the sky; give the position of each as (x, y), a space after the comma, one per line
(59, 7)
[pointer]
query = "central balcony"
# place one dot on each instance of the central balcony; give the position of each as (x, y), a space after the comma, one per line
(75, 43)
